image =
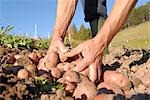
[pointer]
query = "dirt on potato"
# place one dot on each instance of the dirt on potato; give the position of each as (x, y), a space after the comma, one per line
(41, 85)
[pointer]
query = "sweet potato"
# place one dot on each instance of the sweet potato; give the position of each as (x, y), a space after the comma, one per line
(61, 80)
(56, 72)
(71, 76)
(16, 63)
(18, 56)
(48, 62)
(67, 98)
(69, 86)
(65, 66)
(110, 86)
(31, 68)
(23, 74)
(46, 76)
(33, 56)
(104, 97)
(85, 87)
(117, 78)
(60, 93)
(8, 59)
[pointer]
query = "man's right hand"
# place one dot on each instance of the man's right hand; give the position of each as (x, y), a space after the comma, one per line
(51, 58)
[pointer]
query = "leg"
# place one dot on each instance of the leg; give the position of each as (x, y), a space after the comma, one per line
(94, 27)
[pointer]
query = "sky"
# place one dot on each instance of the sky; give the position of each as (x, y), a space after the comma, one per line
(26, 14)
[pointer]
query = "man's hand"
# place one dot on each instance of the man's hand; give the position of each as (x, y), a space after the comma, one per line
(91, 52)
(64, 15)
(51, 59)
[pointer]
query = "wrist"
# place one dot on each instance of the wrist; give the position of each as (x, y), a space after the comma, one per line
(100, 43)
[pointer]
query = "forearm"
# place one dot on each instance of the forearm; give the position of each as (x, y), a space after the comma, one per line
(64, 15)
(114, 22)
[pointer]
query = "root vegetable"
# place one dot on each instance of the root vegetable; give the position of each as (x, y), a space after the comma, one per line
(49, 97)
(16, 64)
(65, 66)
(61, 80)
(60, 93)
(33, 56)
(23, 74)
(110, 86)
(31, 68)
(41, 72)
(23, 61)
(18, 56)
(8, 59)
(69, 86)
(49, 78)
(67, 98)
(71, 76)
(85, 87)
(117, 78)
(104, 97)
(56, 72)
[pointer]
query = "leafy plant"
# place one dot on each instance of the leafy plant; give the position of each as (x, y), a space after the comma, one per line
(45, 86)
(40, 80)
(6, 30)
(41, 44)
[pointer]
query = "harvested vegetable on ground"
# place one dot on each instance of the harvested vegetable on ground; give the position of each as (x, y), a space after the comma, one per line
(85, 87)
(117, 78)
(55, 72)
(23, 74)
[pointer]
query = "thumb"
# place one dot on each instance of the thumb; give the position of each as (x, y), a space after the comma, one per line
(62, 47)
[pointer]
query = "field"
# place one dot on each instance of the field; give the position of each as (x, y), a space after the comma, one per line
(125, 70)
(133, 37)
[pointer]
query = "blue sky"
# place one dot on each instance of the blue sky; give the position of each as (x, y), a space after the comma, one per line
(24, 14)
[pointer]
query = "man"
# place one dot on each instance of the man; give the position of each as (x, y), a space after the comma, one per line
(92, 49)
(93, 11)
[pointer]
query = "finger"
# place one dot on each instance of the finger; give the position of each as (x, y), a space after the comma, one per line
(73, 52)
(41, 66)
(99, 73)
(93, 72)
(62, 47)
(85, 72)
(80, 66)
(62, 56)
(76, 61)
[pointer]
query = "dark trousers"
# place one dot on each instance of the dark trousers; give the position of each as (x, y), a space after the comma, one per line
(94, 27)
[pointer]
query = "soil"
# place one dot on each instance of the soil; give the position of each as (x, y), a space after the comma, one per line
(135, 64)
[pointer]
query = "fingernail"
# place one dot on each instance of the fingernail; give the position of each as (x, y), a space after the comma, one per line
(64, 50)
